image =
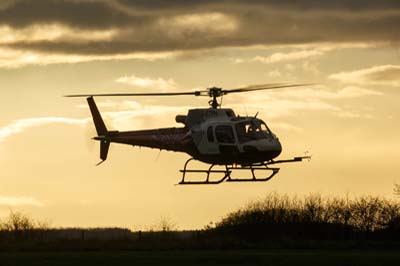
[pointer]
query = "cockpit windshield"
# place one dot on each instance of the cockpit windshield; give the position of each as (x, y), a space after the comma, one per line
(252, 130)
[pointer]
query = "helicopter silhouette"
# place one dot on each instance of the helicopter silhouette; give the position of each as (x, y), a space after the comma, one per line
(214, 135)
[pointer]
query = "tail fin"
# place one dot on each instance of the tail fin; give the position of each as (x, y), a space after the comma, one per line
(104, 145)
(100, 128)
(97, 119)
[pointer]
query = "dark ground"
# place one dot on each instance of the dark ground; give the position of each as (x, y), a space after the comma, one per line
(205, 258)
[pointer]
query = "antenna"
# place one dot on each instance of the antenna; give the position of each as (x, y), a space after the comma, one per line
(158, 155)
(245, 110)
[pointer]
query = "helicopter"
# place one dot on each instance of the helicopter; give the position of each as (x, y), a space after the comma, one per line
(216, 136)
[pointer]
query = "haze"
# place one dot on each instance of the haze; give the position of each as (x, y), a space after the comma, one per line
(48, 48)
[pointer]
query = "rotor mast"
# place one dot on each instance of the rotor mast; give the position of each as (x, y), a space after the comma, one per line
(214, 92)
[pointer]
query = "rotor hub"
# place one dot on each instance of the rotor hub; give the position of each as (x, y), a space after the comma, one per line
(215, 92)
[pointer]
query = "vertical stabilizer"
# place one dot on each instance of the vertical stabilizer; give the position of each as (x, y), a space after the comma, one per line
(100, 128)
(97, 119)
(104, 145)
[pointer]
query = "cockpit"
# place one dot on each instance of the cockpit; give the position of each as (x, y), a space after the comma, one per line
(239, 136)
(251, 130)
(246, 130)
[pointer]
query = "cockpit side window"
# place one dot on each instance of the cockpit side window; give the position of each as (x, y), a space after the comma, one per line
(210, 134)
(250, 130)
(265, 129)
(224, 134)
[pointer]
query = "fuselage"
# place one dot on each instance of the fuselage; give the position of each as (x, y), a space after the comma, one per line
(214, 136)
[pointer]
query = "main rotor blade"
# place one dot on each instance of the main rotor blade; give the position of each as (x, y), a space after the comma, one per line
(196, 93)
(266, 87)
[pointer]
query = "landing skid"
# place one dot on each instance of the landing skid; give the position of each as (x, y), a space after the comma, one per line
(226, 174)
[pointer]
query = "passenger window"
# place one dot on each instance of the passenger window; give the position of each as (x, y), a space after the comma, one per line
(210, 135)
(224, 134)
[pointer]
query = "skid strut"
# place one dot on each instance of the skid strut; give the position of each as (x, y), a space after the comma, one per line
(226, 174)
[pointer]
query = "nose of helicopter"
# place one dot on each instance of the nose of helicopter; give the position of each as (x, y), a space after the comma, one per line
(271, 146)
(278, 147)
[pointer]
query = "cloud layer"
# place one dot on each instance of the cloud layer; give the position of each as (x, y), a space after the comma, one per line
(292, 56)
(158, 84)
(12, 201)
(117, 27)
(377, 75)
(20, 125)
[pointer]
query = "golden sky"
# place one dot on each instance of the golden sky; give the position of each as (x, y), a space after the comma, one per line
(349, 122)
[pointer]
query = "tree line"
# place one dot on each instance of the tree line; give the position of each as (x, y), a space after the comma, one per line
(273, 221)
(315, 217)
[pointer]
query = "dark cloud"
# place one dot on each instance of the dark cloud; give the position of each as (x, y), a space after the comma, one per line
(80, 14)
(152, 26)
(299, 4)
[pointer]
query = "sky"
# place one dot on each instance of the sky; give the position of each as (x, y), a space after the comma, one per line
(348, 122)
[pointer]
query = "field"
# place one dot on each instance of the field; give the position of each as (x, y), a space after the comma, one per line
(205, 258)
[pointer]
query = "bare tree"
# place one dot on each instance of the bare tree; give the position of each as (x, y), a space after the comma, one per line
(165, 224)
(43, 224)
(396, 190)
(18, 222)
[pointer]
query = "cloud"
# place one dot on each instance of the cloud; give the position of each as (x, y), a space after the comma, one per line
(20, 125)
(99, 29)
(377, 75)
(279, 108)
(75, 13)
(358, 5)
(274, 74)
(129, 115)
(12, 201)
(284, 106)
(287, 57)
(121, 115)
(124, 114)
(310, 66)
(110, 104)
(52, 32)
(290, 67)
(291, 102)
(355, 92)
(305, 52)
(205, 23)
(323, 93)
(132, 115)
(149, 83)
(10, 58)
(286, 127)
